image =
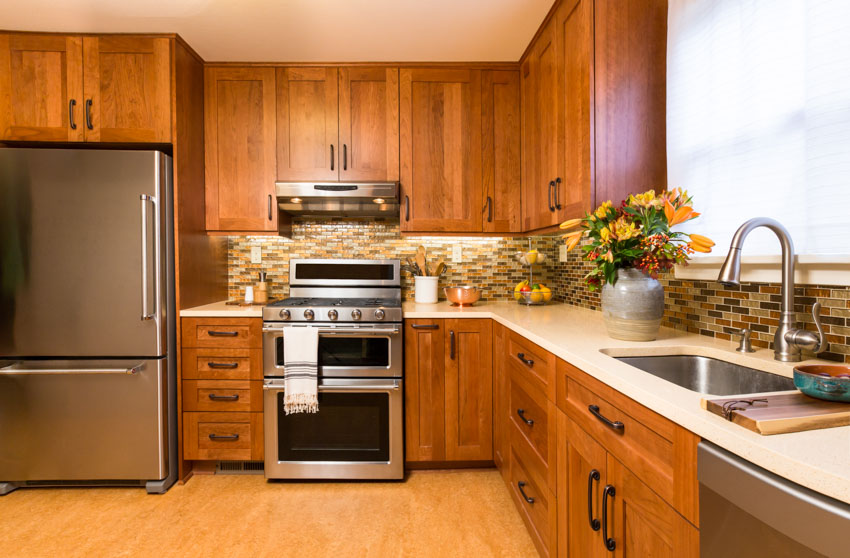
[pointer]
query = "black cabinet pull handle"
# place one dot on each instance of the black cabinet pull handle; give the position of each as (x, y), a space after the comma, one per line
(270, 207)
(593, 476)
(521, 413)
(558, 193)
(344, 157)
(549, 194)
(615, 425)
(527, 361)
(425, 326)
(213, 333)
(223, 365)
(452, 344)
(489, 209)
(610, 544)
(88, 114)
(229, 437)
(332, 156)
(234, 397)
(521, 485)
(407, 208)
(71, 104)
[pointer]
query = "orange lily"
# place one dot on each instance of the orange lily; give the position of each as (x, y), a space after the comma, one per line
(699, 248)
(701, 240)
(609, 256)
(669, 211)
(573, 239)
(571, 224)
(684, 213)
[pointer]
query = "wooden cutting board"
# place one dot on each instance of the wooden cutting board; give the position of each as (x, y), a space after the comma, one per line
(783, 413)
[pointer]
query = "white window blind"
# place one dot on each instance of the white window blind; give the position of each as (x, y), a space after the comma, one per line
(758, 118)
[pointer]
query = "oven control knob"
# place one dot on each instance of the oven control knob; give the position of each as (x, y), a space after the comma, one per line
(284, 314)
(379, 314)
(308, 314)
(332, 315)
(355, 314)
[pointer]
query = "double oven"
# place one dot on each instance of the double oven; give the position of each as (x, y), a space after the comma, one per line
(358, 432)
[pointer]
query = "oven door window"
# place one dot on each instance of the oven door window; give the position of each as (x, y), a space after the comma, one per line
(349, 427)
(358, 352)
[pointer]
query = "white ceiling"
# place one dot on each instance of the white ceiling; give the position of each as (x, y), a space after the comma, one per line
(304, 30)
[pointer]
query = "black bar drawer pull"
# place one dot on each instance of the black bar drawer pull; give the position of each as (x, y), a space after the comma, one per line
(610, 544)
(425, 326)
(223, 365)
(521, 485)
(593, 476)
(225, 437)
(521, 413)
(527, 361)
(213, 333)
(234, 397)
(613, 425)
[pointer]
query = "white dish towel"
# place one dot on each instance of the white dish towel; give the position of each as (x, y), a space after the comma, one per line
(301, 370)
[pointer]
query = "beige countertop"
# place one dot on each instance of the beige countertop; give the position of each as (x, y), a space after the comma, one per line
(818, 459)
(222, 310)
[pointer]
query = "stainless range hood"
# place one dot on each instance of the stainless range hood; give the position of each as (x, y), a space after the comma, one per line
(353, 199)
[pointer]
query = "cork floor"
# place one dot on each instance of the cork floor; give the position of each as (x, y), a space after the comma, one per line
(433, 513)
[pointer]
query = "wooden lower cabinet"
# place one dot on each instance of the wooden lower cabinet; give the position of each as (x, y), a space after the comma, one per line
(501, 420)
(449, 390)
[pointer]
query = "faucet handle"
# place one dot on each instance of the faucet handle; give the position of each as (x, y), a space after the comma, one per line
(804, 339)
(745, 346)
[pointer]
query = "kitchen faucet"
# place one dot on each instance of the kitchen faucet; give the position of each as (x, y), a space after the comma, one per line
(789, 340)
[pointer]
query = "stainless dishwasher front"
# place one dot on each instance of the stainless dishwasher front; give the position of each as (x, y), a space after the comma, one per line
(748, 511)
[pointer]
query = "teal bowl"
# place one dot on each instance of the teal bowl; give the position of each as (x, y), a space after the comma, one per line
(830, 382)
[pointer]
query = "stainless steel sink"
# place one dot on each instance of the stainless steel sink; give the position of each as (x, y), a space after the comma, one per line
(709, 375)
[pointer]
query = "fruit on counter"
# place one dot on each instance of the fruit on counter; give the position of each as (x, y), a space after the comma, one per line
(531, 257)
(536, 293)
(547, 293)
(518, 288)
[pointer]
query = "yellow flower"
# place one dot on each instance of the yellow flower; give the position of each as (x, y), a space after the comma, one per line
(646, 199)
(571, 224)
(602, 210)
(625, 229)
(609, 256)
(605, 234)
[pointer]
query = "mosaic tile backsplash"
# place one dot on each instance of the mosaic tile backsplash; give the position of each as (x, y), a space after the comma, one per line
(703, 307)
(488, 262)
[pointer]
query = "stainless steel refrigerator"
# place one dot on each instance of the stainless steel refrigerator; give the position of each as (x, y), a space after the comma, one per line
(87, 319)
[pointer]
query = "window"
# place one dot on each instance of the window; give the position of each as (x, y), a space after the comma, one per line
(758, 120)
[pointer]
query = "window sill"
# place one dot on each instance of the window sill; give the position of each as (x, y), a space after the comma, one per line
(809, 269)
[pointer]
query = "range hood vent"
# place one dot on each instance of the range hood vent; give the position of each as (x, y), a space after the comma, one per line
(340, 199)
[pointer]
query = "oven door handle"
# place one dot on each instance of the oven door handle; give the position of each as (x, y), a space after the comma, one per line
(343, 332)
(395, 386)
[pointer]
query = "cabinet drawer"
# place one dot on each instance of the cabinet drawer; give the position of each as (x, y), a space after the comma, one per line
(661, 453)
(537, 363)
(222, 364)
(539, 514)
(222, 332)
(223, 395)
(525, 398)
(236, 436)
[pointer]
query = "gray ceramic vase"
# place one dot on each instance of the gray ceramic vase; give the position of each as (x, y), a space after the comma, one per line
(633, 307)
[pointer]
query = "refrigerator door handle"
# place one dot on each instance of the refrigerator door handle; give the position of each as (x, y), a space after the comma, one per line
(145, 315)
(12, 371)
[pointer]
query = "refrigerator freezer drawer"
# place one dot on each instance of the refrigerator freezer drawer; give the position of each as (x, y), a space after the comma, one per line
(77, 421)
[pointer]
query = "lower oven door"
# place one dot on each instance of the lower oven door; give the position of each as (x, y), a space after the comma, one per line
(357, 433)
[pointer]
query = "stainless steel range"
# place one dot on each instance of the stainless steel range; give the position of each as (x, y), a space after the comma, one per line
(358, 432)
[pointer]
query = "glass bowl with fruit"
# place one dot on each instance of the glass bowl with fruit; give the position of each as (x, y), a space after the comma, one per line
(532, 294)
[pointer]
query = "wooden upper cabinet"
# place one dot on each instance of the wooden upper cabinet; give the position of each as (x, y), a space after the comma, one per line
(307, 124)
(127, 83)
(469, 389)
(440, 113)
(501, 173)
(368, 124)
(575, 119)
(425, 392)
(239, 129)
(41, 88)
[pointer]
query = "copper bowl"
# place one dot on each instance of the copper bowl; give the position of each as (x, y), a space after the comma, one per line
(462, 296)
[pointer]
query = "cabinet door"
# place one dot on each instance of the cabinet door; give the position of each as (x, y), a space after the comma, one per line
(542, 140)
(307, 124)
(575, 118)
(425, 389)
(239, 132)
(127, 84)
(500, 121)
(641, 523)
(582, 473)
(501, 439)
(368, 124)
(440, 150)
(469, 390)
(41, 88)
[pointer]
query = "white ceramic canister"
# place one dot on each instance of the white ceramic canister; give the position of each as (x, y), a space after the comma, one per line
(425, 289)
